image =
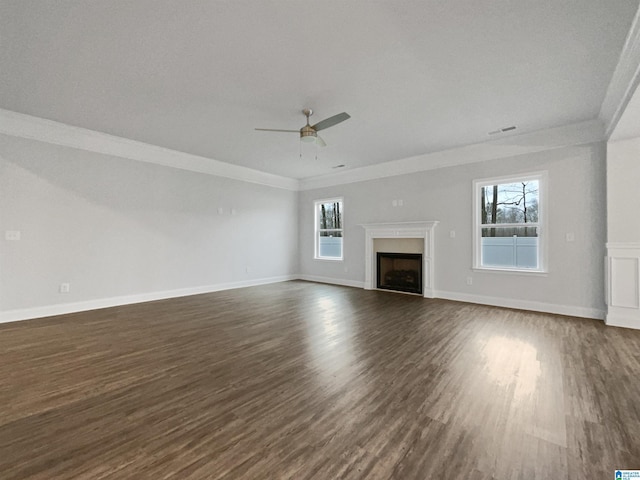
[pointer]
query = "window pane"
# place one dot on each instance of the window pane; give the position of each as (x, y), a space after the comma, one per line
(330, 215)
(510, 202)
(330, 244)
(514, 247)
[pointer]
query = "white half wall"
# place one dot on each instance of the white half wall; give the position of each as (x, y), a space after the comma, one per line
(623, 285)
(120, 231)
(574, 284)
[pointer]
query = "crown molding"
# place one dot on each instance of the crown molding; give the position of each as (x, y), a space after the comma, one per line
(568, 135)
(56, 133)
(624, 81)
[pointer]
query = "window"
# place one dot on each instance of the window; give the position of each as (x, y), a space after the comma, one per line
(328, 221)
(508, 228)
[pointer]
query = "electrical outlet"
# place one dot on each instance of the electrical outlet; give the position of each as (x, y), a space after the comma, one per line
(469, 280)
(452, 234)
(65, 287)
(570, 237)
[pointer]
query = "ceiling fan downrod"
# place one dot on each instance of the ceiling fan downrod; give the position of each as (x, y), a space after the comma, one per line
(307, 133)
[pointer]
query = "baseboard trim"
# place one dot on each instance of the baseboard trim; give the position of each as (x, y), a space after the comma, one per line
(622, 321)
(570, 310)
(543, 307)
(332, 281)
(64, 308)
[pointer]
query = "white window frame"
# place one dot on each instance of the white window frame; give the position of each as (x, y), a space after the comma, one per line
(316, 229)
(543, 238)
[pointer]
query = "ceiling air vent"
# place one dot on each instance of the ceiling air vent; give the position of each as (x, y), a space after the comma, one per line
(503, 130)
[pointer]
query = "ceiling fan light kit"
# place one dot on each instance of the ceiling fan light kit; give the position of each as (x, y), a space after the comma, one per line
(309, 133)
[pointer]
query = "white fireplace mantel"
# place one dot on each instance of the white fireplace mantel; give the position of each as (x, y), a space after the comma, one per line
(422, 230)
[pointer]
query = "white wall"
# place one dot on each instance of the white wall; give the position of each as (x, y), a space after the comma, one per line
(623, 188)
(574, 284)
(119, 230)
(623, 233)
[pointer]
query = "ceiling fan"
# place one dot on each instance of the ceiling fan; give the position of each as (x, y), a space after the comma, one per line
(309, 133)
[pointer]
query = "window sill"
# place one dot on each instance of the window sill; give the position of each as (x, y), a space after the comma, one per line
(327, 259)
(512, 271)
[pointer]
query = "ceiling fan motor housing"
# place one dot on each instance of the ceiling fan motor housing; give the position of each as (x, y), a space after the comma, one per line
(308, 134)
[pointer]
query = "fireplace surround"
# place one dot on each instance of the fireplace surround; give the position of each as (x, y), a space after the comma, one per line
(421, 230)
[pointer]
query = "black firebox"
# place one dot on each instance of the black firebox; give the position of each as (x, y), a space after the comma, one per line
(400, 271)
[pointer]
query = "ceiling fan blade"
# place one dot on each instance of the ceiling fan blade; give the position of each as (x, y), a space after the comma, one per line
(331, 121)
(277, 130)
(320, 142)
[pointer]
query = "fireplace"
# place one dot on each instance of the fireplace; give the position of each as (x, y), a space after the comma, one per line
(401, 272)
(424, 231)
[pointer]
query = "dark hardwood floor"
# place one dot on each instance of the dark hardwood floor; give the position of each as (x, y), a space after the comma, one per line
(300, 380)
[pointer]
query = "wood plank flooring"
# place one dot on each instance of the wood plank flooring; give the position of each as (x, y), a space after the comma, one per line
(307, 381)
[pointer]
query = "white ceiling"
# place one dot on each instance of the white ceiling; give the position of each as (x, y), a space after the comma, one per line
(416, 76)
